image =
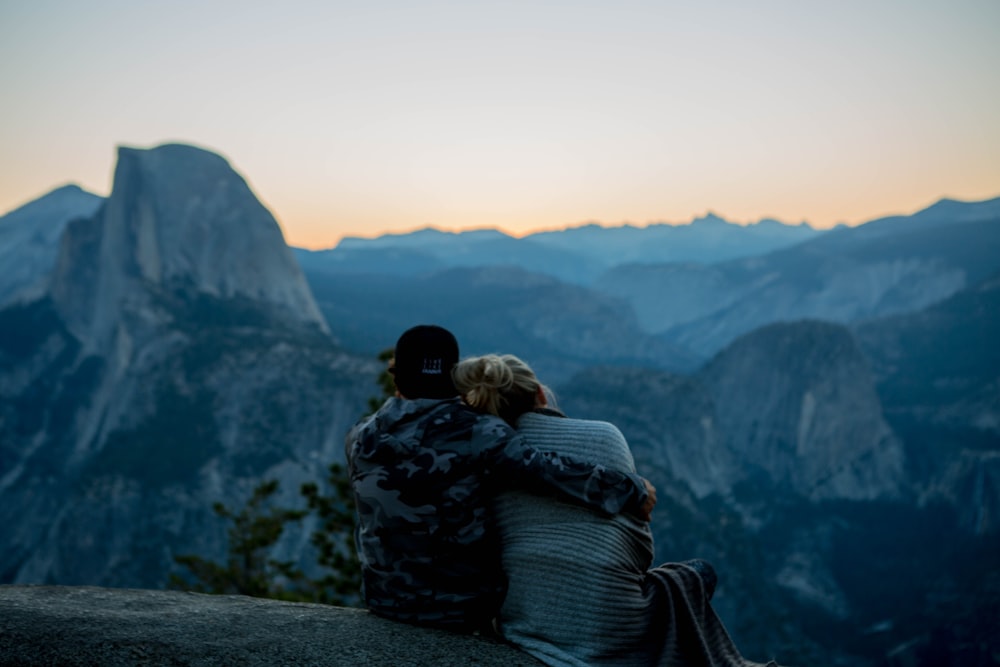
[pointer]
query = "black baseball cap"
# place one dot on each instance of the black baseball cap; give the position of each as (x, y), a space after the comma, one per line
(424, 358)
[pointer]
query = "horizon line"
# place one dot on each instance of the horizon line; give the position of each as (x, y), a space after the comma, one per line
(443, 229)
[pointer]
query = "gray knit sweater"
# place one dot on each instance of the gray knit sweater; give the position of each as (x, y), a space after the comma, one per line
(581, 589)
(576, 578)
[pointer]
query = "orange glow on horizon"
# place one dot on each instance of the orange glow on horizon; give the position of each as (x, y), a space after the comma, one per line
(313, 232)
(357, 122)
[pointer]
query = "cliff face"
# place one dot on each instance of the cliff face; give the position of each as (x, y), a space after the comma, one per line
(791, 405)
(798, 403)
(179, 219)
(53, 625)
(177, 360)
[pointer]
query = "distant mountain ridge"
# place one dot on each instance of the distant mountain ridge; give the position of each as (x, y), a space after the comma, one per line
(943, 212)
(885, 267)
(430, 250)
(707, 239)
(576, 254)
(888, 266)
(845, 275)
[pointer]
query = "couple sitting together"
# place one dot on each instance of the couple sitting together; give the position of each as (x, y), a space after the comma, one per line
(482, 508)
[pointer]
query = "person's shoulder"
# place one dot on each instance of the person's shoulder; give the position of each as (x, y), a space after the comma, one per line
(490, 430)
(362, 429)
(458, 409)
(601, 427)
(594, 426)
(455, 409)
(458, 417)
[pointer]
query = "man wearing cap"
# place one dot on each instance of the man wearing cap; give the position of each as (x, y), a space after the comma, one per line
(424, 468)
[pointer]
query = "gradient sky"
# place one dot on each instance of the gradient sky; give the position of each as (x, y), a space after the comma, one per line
(360, 118)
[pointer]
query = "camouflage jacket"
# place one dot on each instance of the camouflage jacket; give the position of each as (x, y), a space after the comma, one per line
(423, 474)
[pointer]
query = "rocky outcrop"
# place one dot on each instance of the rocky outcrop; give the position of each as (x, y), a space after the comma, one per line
(790, 407)
(798, 402)
(29, 240)
(179, 218)
(177, 362)
(55, 625)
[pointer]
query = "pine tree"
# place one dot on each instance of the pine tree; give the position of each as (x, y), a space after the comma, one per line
(248, 569)
(334, 540)
(259, 525)
(385, 380)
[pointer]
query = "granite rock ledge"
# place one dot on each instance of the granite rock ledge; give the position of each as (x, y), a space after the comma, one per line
(111, 627)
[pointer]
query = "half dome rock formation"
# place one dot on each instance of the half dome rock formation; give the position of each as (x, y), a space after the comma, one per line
(179, 220)
(176, 359)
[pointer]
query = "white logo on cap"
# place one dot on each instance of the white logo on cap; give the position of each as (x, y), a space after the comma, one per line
(432, 367)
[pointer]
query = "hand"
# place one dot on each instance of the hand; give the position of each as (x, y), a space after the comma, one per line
(646, 511)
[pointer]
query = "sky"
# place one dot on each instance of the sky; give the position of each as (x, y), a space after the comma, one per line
(364, 118)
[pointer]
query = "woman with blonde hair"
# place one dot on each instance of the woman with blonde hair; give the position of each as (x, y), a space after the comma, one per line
(580, 587)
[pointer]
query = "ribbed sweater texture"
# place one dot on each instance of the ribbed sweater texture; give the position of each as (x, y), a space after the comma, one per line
(581, 590)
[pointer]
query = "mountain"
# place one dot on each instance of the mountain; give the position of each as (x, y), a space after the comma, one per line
(29, 240)
(701, 285)
(799, 409)
(576, 255)
(395, 262)
(179, 218)
(176, 361)
(427, 250)
(428, 239)
(708, 240)
(847, 275)
(938, 372)
(944, 212)
(561, 327)
(775, 462)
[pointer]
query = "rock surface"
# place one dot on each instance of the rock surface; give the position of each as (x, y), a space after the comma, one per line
(29, 240)
(179, 219)
(47, 625)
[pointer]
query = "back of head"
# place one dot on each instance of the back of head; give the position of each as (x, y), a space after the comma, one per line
(424, 358)
(501, 385)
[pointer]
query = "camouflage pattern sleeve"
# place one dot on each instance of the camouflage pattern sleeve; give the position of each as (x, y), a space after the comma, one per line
(597, 487)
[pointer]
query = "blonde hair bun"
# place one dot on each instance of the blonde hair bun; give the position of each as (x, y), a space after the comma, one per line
(495, 373)
(482, 380)
(501, 385)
